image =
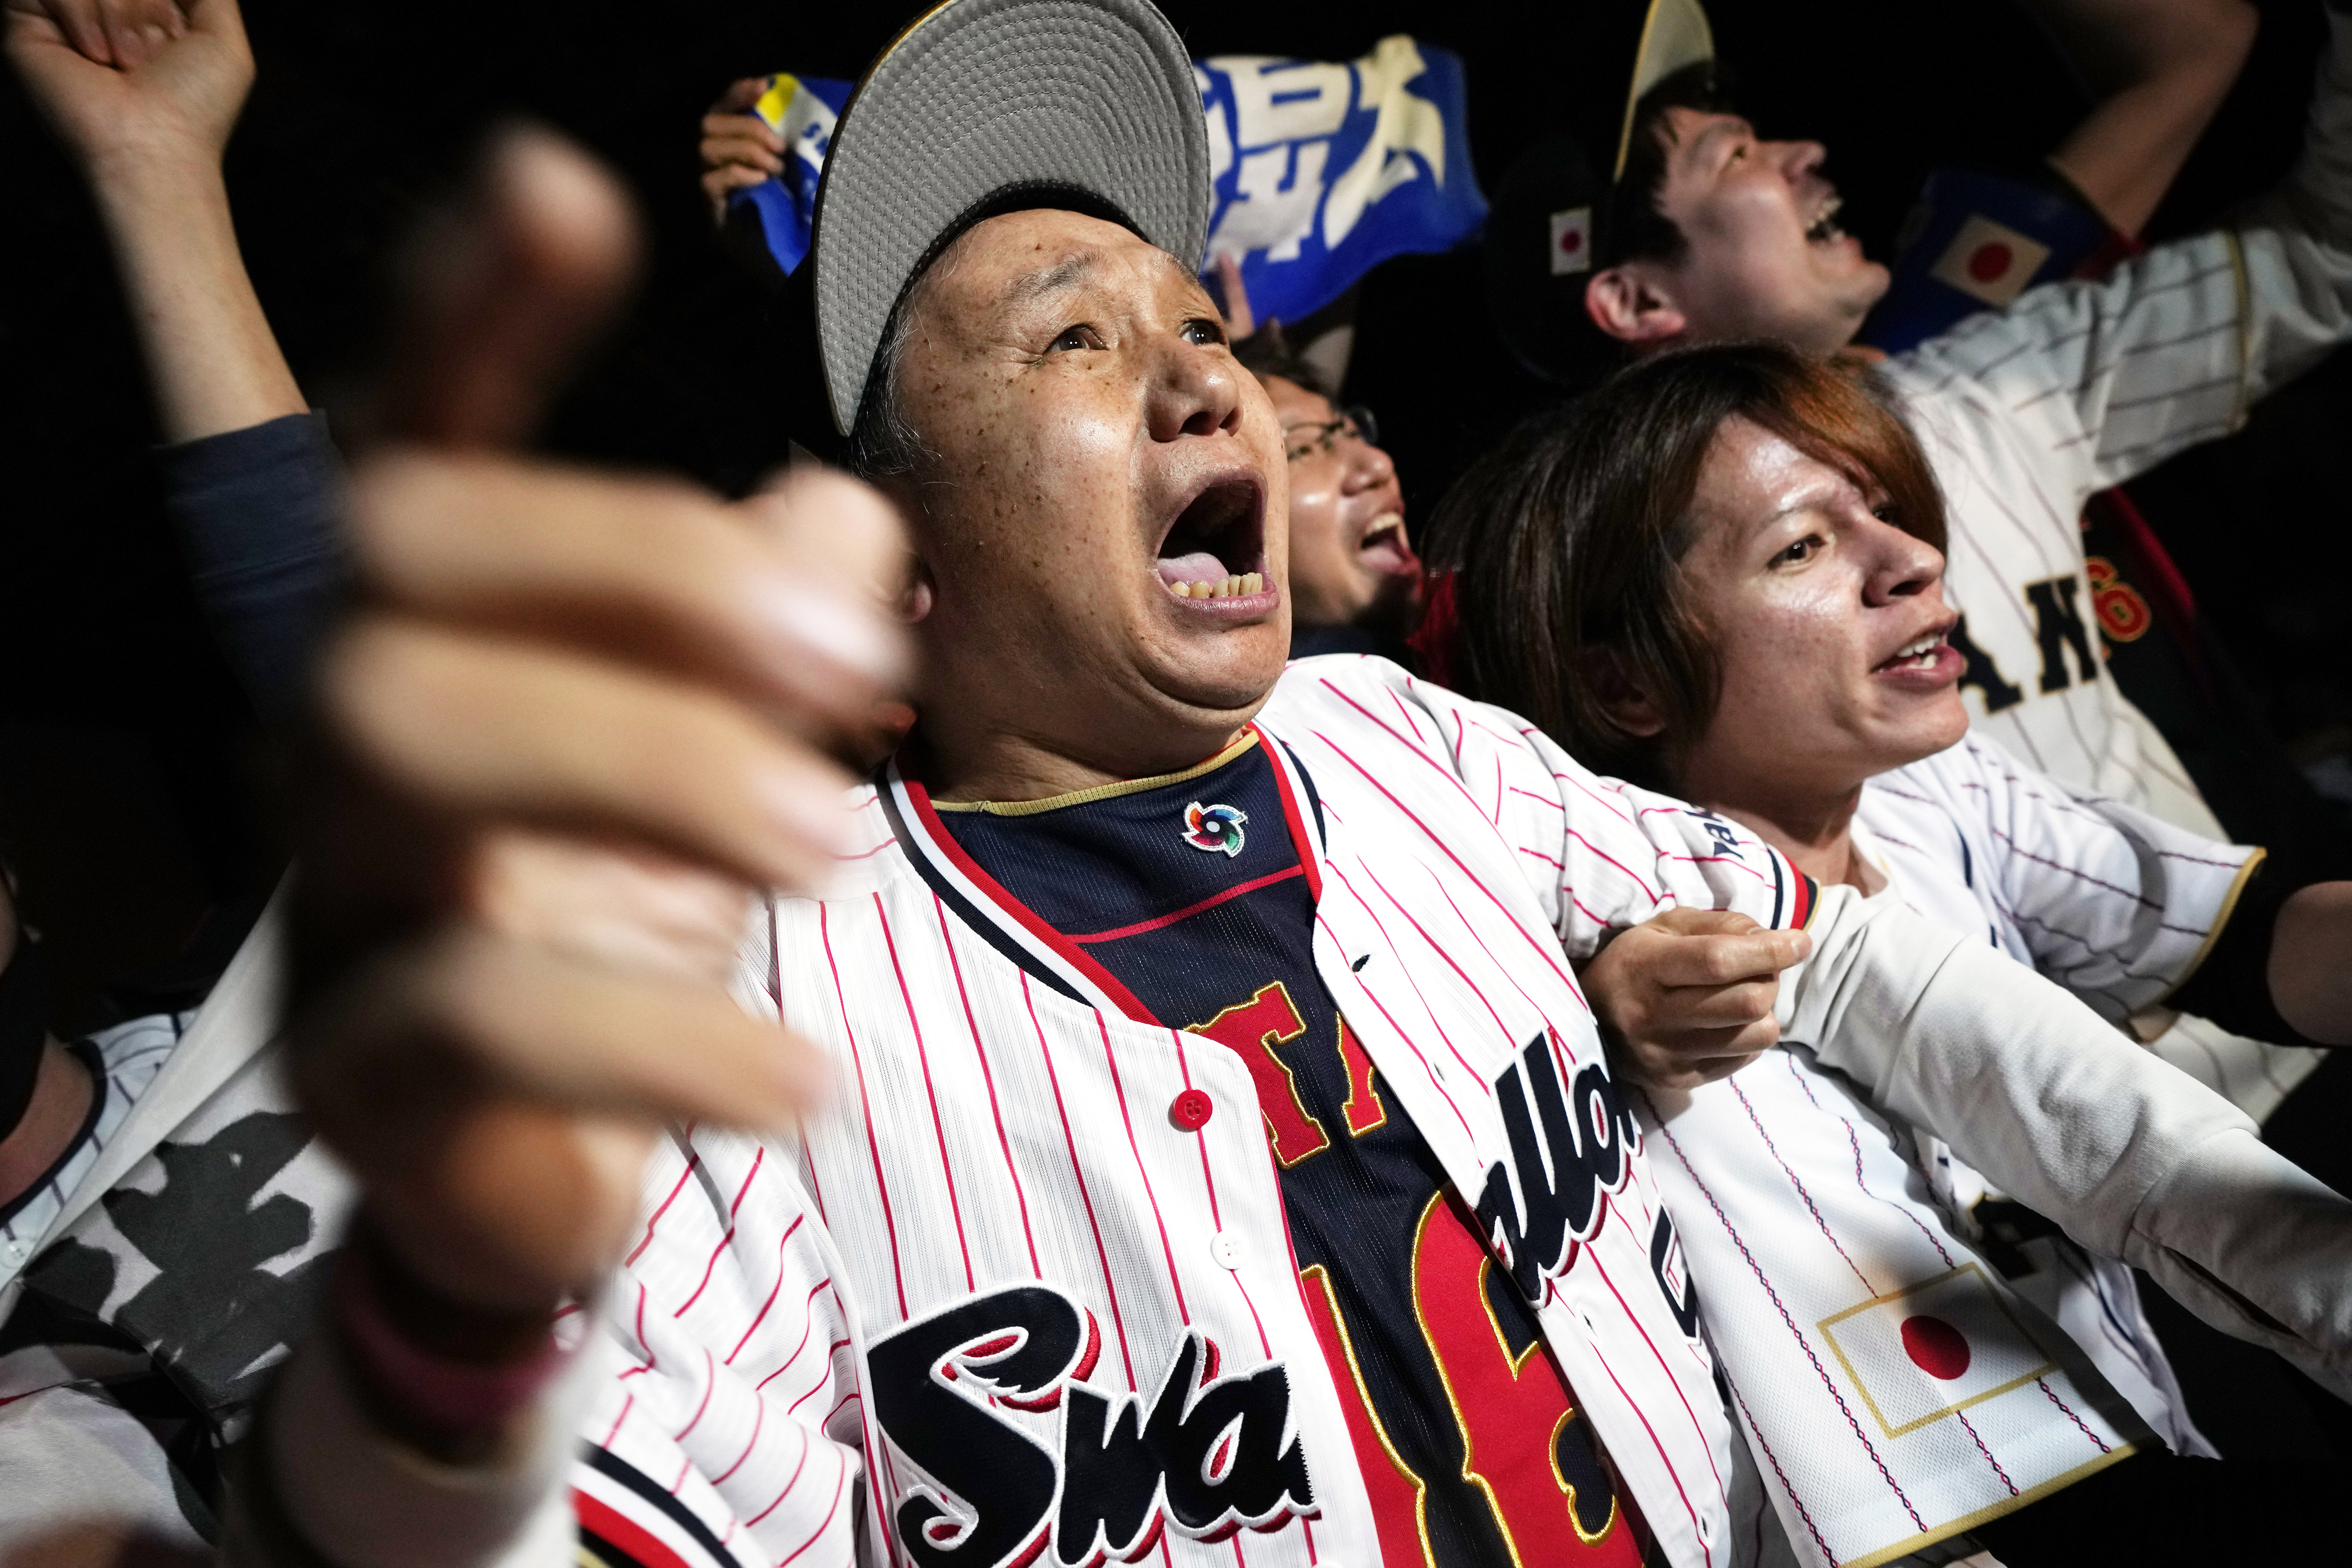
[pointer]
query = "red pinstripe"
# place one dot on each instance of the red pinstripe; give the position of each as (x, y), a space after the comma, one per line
(1602, 1269)
(1501, 1028)
(839, 1486)
(930, 1091)
(1501, 967)
(1643, 1415)
(709, 1387)
(1216, 1216)
(626, 1405)
(808, 1441)
(1442, 846)
(1406, 713)
(1430, 1072)
(1102, 1254)
(759, 1157)
(988, 1076)
(807, 1326)
(1158, 1219)
(858, 1060)
(647, 1364)
(694, 1159)
(761, 1316)
(758, 1420)
(830, 1351)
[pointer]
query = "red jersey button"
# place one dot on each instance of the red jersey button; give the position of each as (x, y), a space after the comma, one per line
(1192, 1109)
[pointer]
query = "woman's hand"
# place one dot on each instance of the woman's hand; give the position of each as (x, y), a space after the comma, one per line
(1685, 997)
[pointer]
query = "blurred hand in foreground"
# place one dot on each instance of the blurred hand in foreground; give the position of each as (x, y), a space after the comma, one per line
(573, 720)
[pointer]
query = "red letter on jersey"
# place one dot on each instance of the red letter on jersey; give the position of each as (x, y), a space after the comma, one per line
(1251, 1030)
(1521, 1442)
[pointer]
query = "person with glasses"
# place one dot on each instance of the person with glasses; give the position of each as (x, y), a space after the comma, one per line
(1354, 577)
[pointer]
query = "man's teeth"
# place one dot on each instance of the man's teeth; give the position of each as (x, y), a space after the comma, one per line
(1824, 224)
(1919, 654)
(1222, 588)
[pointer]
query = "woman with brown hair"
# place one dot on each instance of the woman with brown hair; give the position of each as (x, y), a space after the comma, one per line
(1720, 576)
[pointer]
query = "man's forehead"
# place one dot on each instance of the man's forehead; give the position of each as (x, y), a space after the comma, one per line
(1018, 257)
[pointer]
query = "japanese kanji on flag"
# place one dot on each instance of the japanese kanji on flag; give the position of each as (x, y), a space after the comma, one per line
(1321, 169)
(1990, 261)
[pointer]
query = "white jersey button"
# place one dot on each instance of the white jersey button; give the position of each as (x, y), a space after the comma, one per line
(1226, 1250)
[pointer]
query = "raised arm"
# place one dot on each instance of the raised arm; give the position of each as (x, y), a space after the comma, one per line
(2159, 70)
(251, 481)
(148, 136)
(2103, 381)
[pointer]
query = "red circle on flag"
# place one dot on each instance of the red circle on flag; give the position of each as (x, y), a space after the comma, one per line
(1988, 260)
(1571, 242)
(1936, 1347)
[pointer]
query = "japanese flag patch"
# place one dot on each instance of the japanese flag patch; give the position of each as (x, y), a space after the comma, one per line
(1572, 241)
(1989, 261)
(1933, 1348)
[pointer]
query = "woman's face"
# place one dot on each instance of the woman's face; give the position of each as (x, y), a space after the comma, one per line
(1828, 620)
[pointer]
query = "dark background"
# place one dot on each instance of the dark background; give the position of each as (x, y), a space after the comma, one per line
(128, 762)
(124, 747)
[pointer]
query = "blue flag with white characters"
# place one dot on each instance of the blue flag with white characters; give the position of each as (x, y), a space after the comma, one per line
(1322, 169)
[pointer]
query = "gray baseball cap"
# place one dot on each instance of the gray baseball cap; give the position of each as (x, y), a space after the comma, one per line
(987, 106)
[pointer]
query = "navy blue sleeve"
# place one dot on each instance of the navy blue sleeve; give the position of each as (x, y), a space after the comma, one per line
(260, 513)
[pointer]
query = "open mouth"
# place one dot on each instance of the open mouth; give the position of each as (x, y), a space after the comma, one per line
(1824, 229)
(1923, 654)
(1216, 547)
(1384, 547)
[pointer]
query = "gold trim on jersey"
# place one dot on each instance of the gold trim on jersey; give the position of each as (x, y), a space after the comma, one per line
(1991, 1511)
(1099, 792)
(2220, 918)
(1517, 1363)
(1322, 1278)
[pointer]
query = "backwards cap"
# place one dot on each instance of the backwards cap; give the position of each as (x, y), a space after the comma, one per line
(1551, 218)
(986, 106)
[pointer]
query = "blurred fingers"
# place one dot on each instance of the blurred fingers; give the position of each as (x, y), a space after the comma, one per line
(509, 292)
(614, 904)
(77, 22)
(790, 613)
(740, 95)
(469, 728)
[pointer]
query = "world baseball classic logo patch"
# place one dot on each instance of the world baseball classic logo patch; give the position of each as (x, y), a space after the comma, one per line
(1930, 1349)
(1214, 827)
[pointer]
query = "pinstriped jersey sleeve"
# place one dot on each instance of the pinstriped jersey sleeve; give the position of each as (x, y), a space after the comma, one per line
(2103, 381)
(2113, 904)
(1600, 854)
(728, 1435)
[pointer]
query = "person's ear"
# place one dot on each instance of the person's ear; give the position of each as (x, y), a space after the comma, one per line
(915, 600)
(1631, 304)
(1620, 696)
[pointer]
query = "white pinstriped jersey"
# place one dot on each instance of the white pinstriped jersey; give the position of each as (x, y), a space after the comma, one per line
(869, 1343)
(2025, 412)
(1824, 1237)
